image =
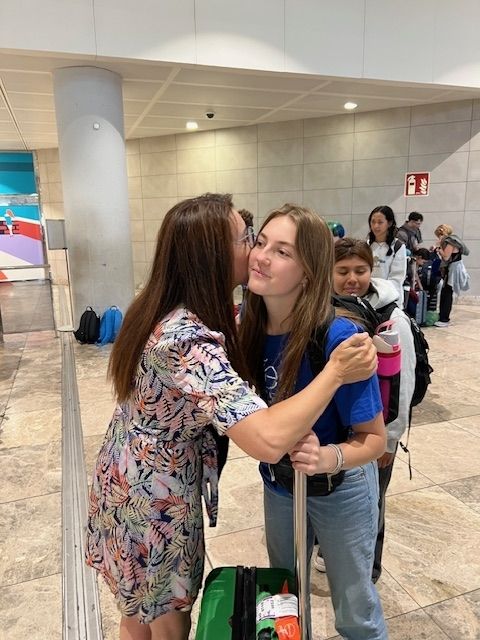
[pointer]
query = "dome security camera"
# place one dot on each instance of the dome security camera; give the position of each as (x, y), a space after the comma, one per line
(209, 114)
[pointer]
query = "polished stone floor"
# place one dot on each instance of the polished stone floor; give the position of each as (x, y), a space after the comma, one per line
(430, 586)
(26, 306)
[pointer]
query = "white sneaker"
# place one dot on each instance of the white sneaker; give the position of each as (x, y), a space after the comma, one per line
(439, 323)
(319, 564)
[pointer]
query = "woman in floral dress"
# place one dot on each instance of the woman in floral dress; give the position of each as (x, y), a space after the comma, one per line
(176, 368)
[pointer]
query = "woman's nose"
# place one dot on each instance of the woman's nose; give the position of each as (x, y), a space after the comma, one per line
(262, 255)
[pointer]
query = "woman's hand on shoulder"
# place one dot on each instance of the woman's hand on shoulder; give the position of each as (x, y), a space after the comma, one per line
(310, 458)
(355, 359)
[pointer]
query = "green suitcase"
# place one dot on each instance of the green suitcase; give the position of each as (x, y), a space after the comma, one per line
(228, 603)
(228, 608)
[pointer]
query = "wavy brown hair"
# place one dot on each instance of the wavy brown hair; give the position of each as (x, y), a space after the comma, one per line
(443, 230)
(314, 248)
(192, 267)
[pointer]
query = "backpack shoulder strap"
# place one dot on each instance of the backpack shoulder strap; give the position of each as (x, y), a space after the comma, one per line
(397, 245)
(316, 349)
(385, 312)
(360, 308)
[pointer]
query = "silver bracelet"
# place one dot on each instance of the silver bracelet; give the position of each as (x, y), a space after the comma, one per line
(340, 459)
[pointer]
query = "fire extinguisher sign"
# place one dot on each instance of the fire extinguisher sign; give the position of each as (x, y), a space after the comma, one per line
(417, 184)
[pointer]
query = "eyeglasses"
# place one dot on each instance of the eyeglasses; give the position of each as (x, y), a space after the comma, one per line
(248, 238)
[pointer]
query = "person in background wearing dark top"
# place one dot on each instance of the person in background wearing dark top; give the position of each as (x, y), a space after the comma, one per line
(409, 233)
(411, 236)
(428, 274)
(423, 261)
(442, 231)
(422, 280)
(454, 275)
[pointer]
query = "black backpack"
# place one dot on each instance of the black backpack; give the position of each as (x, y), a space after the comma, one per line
(422, 366)
(89, 328)
(373, 317)
(366, 312)
(370, 318)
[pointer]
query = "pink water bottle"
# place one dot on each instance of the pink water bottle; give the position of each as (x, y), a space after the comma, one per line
(389, 353)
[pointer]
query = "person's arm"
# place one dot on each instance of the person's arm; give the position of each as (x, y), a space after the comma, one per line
(445, 252)
(269, 433)
(418, 280)
(359, 406)
(367, 444)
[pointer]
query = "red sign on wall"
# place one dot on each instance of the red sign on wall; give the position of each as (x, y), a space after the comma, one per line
(417, 184)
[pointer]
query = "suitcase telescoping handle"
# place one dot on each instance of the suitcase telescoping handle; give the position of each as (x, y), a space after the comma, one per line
(300, 551)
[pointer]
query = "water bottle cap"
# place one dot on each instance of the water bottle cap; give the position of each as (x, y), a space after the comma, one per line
(390, 337)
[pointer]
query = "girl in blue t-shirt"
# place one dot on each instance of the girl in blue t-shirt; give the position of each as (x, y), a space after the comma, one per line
(288, 303)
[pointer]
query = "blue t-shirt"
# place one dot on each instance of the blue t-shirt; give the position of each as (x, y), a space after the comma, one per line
(352, 403)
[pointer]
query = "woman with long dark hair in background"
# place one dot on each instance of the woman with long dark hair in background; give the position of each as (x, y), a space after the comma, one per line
(389, 253)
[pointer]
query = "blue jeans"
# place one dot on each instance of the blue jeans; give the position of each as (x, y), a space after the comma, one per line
(345, 525)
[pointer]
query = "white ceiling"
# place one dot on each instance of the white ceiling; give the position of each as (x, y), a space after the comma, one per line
(160, 98)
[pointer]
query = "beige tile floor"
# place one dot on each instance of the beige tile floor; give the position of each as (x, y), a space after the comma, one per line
(430, 587)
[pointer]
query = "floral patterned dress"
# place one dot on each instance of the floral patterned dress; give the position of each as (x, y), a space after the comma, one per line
(145, 524)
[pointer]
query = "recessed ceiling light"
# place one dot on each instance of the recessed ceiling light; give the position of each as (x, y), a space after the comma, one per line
(350, 105)
(191, 126)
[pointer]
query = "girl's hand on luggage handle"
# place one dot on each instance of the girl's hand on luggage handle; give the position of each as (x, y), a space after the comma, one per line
(354, 359)
(310, 458)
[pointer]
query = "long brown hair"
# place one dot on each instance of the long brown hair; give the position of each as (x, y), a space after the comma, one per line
(314, 247)
(192, 267)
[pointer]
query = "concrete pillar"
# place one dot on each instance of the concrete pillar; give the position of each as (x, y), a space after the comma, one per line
(89, 111)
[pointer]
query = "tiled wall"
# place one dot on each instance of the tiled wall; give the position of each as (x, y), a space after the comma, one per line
(342, 166)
